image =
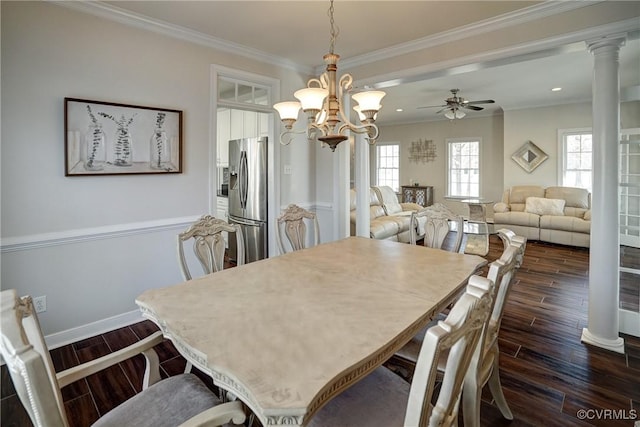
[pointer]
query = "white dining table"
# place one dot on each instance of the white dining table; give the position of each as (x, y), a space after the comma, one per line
(288, 333)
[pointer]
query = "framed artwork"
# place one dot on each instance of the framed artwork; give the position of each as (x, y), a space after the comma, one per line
(104, 138)
(529, 156)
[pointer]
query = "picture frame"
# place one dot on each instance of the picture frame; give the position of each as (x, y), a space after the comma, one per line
(106, 138)
(529, 156)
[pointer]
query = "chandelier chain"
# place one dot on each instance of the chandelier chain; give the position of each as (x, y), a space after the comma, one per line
(334, 29)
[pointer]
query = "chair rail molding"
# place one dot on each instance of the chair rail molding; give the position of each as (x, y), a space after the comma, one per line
(34, 241)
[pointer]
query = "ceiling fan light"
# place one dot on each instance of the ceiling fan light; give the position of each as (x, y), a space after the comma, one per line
(449, 115)
(460, 114)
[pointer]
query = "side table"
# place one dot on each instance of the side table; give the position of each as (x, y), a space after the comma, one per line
(476, 227)
(422, 195)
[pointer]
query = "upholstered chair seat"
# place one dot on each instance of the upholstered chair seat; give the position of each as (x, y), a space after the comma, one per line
(384, 399)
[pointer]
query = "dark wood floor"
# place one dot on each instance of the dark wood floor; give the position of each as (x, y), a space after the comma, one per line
(548, 375)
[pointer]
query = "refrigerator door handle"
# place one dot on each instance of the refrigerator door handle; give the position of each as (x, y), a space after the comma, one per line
(245, 222)
(244, 179)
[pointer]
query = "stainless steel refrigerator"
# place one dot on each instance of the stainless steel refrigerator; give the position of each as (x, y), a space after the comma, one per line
(248, 195)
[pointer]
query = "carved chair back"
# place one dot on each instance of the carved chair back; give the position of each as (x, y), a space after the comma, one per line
(209, 244)
(459, 335)
(508, 237)
(291, 224)
(436, 226)
(25, 352)
(485, 368)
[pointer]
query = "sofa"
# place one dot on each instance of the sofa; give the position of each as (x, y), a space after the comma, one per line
(554, 214)
(389, 219)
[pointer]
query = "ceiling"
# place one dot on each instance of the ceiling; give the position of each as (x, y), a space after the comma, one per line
(297, 32)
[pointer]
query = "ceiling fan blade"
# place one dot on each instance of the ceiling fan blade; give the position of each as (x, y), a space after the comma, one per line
(440, 111)
(484, 101)
(430, 106)
(472, 107)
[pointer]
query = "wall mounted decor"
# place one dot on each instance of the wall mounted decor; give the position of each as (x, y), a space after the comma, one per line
(529, 156)
(424, 151)
(104, 138)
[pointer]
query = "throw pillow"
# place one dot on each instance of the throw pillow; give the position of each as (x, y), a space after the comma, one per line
(542, 206)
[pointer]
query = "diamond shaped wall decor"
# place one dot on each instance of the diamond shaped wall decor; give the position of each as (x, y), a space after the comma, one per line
(529, 156)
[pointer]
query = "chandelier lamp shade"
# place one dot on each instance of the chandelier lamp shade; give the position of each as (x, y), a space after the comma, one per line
(323, 103)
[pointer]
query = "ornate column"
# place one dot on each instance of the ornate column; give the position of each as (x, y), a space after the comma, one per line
(604, 274)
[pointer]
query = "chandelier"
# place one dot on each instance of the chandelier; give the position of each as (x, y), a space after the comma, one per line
(326, 118)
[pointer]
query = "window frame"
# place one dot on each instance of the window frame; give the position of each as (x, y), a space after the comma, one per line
(562, 154)
(377, 164)
(448, 144)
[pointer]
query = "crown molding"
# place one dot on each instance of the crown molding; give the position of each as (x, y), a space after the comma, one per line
(555, 45)
(114, 13)
(506, 20)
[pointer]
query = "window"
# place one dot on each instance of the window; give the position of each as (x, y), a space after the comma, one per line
(388, 166)
(463, 167)
(576, 154)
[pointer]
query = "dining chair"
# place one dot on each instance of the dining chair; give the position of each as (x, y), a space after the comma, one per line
(209, 245)
(181, 400)
(384, 399)
(485, 369)
(508, 237)
(434, 220)
(291, 223)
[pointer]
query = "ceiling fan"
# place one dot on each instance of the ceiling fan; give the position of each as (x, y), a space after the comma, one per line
(455, 103)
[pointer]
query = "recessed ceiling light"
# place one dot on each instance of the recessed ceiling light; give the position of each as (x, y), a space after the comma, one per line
(556, 89)
(399, 110)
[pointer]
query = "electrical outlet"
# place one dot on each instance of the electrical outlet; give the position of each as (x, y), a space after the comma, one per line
(287, 169)
(40, 303)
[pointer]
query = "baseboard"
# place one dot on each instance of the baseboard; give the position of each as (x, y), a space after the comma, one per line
(89, 330)
(629, 322)
(92, 329)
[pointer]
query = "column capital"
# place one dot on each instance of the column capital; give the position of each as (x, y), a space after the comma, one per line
(612, 40)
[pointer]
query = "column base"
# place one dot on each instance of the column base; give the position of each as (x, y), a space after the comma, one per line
(616, 345)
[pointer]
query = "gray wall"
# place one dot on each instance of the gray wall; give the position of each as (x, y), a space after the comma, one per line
(92, 244)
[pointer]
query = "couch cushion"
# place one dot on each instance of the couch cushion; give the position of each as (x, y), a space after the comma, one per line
(517, 218)
(519, 193)
(574, 197)
(388, 199)
(565, 223)
(383, 228)
(375, 206)
(543, 206)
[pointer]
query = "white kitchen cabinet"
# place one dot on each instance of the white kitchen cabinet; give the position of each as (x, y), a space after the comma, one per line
(222, 208)
(237, 124)
(224, 135)
(250, 124)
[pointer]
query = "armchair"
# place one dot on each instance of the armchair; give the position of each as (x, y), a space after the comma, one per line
(181, 400)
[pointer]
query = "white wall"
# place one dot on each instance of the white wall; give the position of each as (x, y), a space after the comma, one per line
(434, 173)
(49, 53)
(541, 126)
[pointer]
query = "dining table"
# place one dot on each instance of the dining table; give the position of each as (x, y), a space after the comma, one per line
(288, 333)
